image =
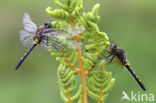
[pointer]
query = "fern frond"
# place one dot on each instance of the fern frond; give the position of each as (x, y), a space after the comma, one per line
(100, 83)
(70, 9)
(80, 99)
(91, 19)
(68, 84)
(58, 3)
(59, 24)
(58, 13)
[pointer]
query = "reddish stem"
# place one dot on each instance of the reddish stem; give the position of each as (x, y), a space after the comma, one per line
(82, 71)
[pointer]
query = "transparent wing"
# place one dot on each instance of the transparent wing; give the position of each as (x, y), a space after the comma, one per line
(63, 32)
(26, 38)
(57, 43)
(29, 26)
(59, 38)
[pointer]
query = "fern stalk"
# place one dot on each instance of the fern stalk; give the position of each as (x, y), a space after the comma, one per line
(68, 94)
(70, 64)
(81, 69)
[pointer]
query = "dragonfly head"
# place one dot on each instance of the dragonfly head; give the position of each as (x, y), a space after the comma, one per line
(113, 47)
(47, 25)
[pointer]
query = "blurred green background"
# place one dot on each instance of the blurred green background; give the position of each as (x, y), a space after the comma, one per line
(131, 23)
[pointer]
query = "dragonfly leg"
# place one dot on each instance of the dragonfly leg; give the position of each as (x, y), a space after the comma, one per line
(107, 51)
(107, 56)
(47, 39)
(111, 59)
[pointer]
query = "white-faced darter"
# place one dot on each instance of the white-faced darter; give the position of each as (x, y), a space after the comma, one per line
(55, 38)
(119, 53)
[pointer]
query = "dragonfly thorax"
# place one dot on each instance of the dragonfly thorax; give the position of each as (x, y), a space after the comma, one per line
(119, 53)
(40, 31)
(38, 35)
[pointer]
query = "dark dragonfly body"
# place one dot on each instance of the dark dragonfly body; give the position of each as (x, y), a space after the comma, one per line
(55, 39)
(37, 40)
(25, 55)
(32, 35)
(118, 52)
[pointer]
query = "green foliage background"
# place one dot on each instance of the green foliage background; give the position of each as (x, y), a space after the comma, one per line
(130, 23)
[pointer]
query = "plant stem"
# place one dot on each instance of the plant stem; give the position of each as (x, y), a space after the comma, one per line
(68, 94)
(67, 61)
(82, 74)
(100, 94)
(82, 71)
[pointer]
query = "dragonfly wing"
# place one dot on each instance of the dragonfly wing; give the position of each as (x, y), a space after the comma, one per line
(64, 32)
(29, 26)
(26, 38)
(57, 32)
(57, 43)
(79, 29)
(59, 38)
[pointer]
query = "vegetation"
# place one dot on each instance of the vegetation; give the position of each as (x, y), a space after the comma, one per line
(83, 58)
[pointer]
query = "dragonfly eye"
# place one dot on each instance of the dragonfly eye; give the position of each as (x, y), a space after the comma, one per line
(113, 47)
(47, 25)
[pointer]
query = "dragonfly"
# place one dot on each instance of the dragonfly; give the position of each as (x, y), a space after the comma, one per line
(58, 39)
(117, 52)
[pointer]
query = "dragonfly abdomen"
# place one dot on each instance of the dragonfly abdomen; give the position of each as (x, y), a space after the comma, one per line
(25, 55)
(127, 66)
